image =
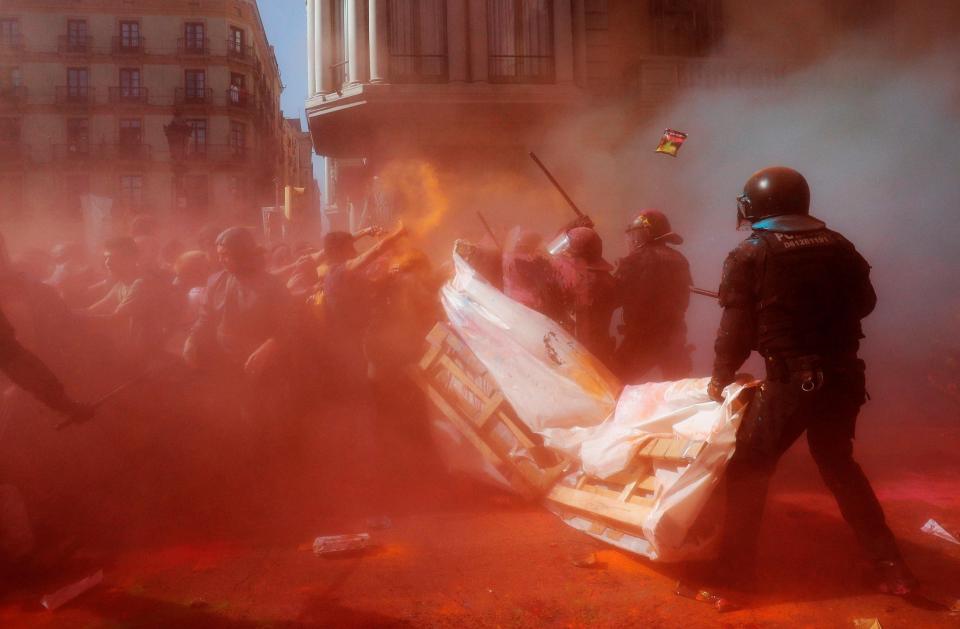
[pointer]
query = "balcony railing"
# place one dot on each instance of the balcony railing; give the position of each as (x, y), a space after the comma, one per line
(74, 44)
(76, 151)
(657, 76)
(13, 95)
(193, 96)
(216, 153)
(11, 41)
(129, 45)
(131, 151)
(13, 152)
(75, 95)
(240, 52)
(127, 95)
(239, 98)
(193, 46)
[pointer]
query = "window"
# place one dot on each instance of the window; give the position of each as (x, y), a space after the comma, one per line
(195, 82)
(685, 28)
(130, 83)
(417, 40)
(520, 39)
(78, 84)
(130, 137)
(238, 138)
(129, 35)
(338, 58)
(131, 191)
(76, 187)
(236, 45)
(78, 137)
(77, 40)
(195, 37)
(10, 83)
(236, 93)
(197, 142)
(10, 32)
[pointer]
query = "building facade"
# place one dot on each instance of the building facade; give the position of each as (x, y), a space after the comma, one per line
(91, 89)
(484, 80)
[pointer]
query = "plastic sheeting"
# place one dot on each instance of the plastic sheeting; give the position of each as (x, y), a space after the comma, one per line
(561, 392)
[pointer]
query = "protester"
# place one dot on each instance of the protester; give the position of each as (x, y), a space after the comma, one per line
(530, 277)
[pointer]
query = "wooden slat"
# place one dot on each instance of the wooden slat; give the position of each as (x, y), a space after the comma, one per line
(601, 506)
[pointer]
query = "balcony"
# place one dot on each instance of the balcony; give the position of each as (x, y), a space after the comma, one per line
(240, 52)
(79, 95)
(127, 95)
(193, 46)
(216, 153)
(75, 152)
(13, 153)
(241, 99)
(11, 42)
(131, 152)
(74, 44)
(193, 96)
(14, 95)
(657, 77)
(129, 45)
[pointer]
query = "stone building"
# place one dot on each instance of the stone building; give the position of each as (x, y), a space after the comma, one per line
(163, 106)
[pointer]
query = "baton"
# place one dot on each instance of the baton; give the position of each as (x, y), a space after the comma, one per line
(486, 226)
(556, 184)
(704, 292)
(117, 391)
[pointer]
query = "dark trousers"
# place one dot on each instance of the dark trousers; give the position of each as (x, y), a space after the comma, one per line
(778, 416)
(640, 353)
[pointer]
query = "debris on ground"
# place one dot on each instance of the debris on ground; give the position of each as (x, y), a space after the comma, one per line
(587, 561)
(932, 527)
(716, 600)
(867, 623)
(379, 523)
(328, 544)
(64, 595)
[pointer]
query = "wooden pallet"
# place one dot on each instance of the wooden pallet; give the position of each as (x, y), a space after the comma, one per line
(465, 393)
(460, 387)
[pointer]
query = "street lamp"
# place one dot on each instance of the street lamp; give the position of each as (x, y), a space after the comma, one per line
(178, 132)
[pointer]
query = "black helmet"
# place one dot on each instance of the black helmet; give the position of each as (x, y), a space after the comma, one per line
(773, 191)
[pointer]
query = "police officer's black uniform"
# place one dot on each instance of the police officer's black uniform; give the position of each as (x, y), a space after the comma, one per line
(796, 291)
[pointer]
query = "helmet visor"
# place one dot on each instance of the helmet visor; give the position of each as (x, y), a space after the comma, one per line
(743, 211)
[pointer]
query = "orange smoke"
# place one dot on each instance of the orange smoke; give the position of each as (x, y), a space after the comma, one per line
(414, 187)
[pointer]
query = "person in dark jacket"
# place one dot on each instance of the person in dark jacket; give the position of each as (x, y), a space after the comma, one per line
(653, 286)
(795, 292)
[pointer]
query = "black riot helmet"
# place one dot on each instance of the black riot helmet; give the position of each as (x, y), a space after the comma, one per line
(773, 191)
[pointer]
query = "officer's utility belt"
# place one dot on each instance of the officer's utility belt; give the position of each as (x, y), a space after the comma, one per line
(808, 370)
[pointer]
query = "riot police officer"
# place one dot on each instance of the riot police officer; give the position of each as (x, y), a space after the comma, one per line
(653, 286)
(796, 292)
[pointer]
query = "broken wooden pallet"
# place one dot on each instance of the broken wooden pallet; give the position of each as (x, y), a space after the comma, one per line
(464, 392)
(460, 387)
